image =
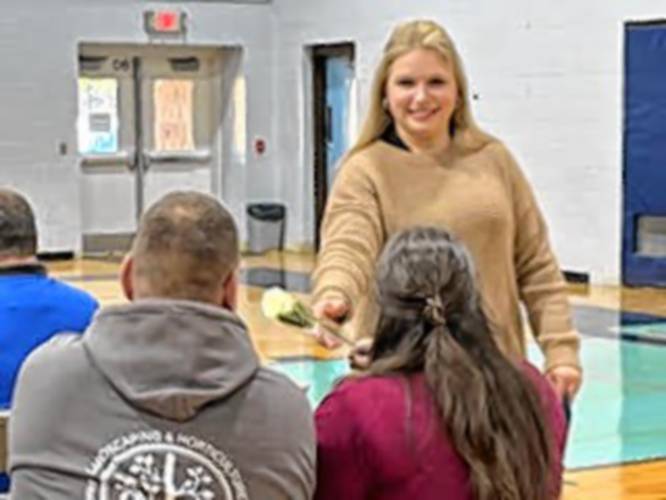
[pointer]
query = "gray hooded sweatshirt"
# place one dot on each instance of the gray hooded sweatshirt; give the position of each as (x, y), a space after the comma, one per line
(163, 400)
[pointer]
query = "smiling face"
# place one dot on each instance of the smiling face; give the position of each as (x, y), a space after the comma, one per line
(421, 91)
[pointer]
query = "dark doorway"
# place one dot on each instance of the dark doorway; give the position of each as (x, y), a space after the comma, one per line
(333, 74)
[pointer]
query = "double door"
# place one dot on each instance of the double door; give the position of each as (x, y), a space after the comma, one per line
(149, 122)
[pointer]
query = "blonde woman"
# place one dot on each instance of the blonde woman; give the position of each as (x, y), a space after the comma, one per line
(420, 159)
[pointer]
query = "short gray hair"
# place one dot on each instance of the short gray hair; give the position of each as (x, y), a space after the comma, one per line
(18, 231)
(186, 244)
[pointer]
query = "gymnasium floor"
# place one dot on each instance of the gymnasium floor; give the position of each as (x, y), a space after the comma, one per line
(617, 446)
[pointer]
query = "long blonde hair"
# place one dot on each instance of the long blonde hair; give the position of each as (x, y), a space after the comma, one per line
(408, 36)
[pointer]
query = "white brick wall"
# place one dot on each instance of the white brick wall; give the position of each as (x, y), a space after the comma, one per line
(549, 80)
(548, 75)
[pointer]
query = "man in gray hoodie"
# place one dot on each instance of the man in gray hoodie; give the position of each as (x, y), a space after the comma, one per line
(163, 398)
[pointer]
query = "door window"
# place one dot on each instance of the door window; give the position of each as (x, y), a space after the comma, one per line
(173, 128)
(97, 123)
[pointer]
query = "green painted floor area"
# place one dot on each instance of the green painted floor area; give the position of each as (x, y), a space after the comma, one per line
(318, 376)
(619, 415)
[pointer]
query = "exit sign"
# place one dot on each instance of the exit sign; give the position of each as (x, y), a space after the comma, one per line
(164, 22)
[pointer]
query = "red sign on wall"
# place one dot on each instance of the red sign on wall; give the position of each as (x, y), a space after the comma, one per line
(165, 21)
(259, 146)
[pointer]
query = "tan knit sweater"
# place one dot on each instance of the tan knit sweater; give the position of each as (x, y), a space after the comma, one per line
(482, 198)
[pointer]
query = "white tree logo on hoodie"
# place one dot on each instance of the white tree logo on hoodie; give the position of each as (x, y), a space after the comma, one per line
(155, 465)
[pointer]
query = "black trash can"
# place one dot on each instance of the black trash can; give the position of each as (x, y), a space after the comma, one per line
(265, 226)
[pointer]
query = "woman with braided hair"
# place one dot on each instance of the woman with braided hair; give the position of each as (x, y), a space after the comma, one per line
(440, 412)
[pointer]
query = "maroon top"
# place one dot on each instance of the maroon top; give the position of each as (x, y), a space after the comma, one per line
(373, 444)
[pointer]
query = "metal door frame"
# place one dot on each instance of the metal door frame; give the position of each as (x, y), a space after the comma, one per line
(136, 157)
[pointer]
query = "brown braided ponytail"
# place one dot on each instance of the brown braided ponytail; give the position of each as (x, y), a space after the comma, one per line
(431, 321)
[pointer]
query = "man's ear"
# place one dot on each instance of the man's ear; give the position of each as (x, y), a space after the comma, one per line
(126, 280)
(230, 292)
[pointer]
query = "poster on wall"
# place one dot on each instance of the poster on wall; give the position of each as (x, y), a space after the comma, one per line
(97, 122)
(172, 103)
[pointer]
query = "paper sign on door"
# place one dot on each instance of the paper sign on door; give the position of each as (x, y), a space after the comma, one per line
(172, 104)
(97, 123)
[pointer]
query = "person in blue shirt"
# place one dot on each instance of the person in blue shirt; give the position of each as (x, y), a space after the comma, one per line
(33, 306)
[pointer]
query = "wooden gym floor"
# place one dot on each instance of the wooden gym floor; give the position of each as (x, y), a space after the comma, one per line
(617, 445)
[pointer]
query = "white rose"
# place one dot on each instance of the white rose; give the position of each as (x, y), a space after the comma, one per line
(276, 301)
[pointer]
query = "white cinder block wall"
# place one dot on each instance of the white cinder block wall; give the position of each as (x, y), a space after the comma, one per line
(548, 76)
(549, 80)
(38, 48)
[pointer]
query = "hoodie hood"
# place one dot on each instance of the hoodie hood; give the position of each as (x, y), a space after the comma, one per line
(171, 357)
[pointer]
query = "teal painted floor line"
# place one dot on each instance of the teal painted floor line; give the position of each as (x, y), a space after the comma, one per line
(650, 330)
(319, 376)
(618, 417)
